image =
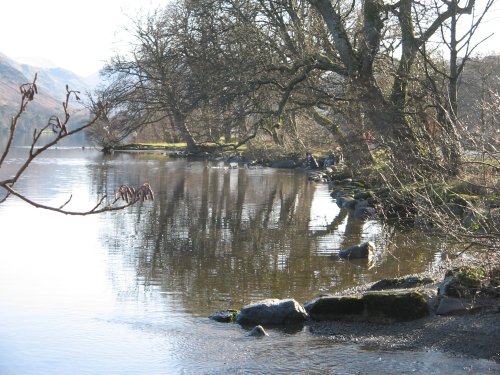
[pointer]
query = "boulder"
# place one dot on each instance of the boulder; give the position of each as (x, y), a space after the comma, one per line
(348, 202)
(397, 306)
(363, 194)
(336, 308)
(462, 282)
(318, 177)
(361, 251)
(467, 289)
(272, 312)
(344, 200)
(451, 305)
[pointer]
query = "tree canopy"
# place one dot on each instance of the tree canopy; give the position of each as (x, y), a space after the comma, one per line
(208, 70)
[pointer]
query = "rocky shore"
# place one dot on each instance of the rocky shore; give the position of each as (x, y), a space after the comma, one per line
(468, 323)
(475, 335)
(471, 331)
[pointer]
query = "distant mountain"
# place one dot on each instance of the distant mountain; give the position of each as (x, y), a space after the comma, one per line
(41, 62)
(51, 83)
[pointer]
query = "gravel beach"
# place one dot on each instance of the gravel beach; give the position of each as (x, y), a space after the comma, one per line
(475, 335)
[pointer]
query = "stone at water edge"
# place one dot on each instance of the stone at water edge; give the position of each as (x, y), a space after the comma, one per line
(258, 331)
(361, 251)
(272, 312)
(396, 306)
(224, 316)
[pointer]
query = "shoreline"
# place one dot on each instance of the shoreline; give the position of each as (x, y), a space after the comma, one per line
(474, 334)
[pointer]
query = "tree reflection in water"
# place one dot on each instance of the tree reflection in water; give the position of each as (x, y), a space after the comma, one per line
(222, 238)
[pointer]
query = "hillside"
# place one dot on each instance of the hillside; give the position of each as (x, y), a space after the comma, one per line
(51, 84)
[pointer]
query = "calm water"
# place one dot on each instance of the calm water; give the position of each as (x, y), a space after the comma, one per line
(129, 292)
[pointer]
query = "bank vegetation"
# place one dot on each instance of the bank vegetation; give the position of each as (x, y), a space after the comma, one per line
(288, 76)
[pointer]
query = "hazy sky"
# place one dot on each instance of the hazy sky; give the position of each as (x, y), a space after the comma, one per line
(82, 35)
(76, 35)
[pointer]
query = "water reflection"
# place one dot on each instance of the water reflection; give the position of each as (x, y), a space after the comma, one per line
(223, 238)
(108, 294)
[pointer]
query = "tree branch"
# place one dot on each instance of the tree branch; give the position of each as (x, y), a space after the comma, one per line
(125, 193)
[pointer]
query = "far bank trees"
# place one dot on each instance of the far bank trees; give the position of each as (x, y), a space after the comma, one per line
(210, 70)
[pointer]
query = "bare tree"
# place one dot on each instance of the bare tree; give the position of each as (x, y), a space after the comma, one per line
(248, 67)
(61, 130)
(156, 78)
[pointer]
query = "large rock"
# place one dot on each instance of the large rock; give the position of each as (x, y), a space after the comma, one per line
(363, 210)
(344, 200)
(336, 308)
(451, 305)
(397, 306)
(272, 312)
(361, 251)
(361, 195)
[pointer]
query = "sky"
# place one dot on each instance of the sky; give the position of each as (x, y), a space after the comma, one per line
(76, 35)
(82, 35)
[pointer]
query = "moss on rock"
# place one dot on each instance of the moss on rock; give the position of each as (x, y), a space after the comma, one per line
(401, 283)
(400, 307)
(463, 282)
(336, 308)
(225, 316)
(375, 307)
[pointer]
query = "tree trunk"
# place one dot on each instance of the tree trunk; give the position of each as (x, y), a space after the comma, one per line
(180, 124)
(357, 155)
(451, 149)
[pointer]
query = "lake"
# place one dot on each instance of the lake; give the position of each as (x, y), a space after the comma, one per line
(129, 292)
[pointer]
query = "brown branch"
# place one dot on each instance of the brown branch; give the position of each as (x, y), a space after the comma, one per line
(28, 91)
(60, 127)
(64, 204)
(142, 194)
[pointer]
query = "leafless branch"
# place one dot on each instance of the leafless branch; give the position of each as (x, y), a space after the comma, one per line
(61, 130)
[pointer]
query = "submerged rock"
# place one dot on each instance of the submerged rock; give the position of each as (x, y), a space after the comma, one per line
(224, 316)
(361, 251)
(272, 312)
(401, 283)
(258, 331)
